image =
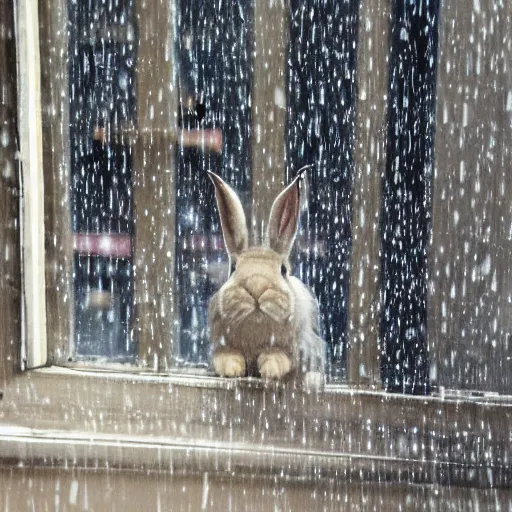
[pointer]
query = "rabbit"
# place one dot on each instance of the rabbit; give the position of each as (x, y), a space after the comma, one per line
(264, 321)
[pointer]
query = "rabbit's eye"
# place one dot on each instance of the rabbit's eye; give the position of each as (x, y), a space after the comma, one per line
(283, 270)
(233, 268)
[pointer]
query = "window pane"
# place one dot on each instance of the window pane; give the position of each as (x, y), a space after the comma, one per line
(406, 197)
(214, 55)
(320, 131)
(102, 104)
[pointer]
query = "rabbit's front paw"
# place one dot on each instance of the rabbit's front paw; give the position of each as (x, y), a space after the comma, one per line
(229, 364)
(273, 365)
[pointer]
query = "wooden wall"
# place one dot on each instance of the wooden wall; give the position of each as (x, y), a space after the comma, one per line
(75, 489)
(470, 299)
(10, 271)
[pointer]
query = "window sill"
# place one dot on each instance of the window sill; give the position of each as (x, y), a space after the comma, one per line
(194, 423)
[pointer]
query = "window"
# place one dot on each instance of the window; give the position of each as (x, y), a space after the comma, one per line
(404, 110)
(224, 111)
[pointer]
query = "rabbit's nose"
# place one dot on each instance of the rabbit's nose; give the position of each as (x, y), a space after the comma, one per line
(256, 286)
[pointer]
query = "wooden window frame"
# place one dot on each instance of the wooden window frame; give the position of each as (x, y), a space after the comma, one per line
(154, 148)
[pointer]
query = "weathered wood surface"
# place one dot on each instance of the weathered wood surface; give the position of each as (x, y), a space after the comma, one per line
(10, 257)
(369, 158)
(470, 292)
(153, 185)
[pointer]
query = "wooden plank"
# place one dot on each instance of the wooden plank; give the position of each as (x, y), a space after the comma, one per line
(8, 97)
(31, 156)
(10, 333)
(153, 181)
(10, 255)
(132, 491)
(53, 17)
(10, 283)
(268, 109)
(470, 290)
(370, 160)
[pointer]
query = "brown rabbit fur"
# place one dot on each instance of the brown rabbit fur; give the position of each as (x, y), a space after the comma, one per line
(263, 320)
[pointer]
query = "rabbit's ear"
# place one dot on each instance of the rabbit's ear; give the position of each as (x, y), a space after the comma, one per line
(232, 217)
(284, 218)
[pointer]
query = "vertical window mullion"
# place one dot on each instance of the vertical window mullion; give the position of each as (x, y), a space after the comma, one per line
(55, 255)
(369, 163)
(11, 284)
(268, 103)
(154, 185)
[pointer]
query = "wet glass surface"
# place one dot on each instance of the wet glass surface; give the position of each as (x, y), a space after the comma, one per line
(404, 112)
(254, 93)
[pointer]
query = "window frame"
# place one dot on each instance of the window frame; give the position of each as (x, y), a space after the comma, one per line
(91, 417)
(32, 197)
(154, 147)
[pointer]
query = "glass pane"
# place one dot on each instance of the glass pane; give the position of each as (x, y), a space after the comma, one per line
(406, 205)
(214, 64)
(102, 103)
(320, 130)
